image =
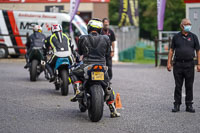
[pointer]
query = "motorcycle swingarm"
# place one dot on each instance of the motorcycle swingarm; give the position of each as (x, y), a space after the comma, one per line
(84, 101)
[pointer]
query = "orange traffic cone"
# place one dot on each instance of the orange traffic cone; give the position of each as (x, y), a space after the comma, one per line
(118, 103)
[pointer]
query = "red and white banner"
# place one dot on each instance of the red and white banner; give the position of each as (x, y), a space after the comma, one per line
(51, 1)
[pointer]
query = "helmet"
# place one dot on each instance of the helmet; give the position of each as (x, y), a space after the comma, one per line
(57, 30)
(94, 25)
(37, 28)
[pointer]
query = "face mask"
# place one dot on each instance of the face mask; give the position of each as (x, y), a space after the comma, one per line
(187, 28)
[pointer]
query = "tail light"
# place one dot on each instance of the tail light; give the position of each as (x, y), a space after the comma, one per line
(98, 67)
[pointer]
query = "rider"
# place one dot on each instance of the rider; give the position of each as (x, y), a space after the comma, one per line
(95, 49)
(58, 42)
(37, 39)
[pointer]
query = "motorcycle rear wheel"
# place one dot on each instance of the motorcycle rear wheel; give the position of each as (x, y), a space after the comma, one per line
(33, 70)
(95, 110)
(64, 82)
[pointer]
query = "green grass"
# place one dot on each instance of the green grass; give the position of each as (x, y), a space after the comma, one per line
(144, 61)
(141, 61)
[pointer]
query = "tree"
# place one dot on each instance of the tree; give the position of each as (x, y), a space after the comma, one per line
(114, 12)
(174, 13)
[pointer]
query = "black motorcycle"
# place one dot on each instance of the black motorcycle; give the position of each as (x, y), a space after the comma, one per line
(92, 88)
(36, 60)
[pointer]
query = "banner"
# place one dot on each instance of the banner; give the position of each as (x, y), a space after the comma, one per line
(74, 4)
(52, 1)
(133, 12)
(160, 13)
(123, 13)
(129, 14)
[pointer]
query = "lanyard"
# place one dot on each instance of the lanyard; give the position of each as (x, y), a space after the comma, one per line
(106, 32)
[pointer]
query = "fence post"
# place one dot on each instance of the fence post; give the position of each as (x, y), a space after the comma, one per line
(156, 52)
(169, 43)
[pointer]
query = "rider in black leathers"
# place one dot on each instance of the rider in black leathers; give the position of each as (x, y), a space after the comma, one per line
(37, 39)
(58, 42)
(94, 48)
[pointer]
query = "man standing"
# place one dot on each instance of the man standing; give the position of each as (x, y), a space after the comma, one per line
(107, 31)
(184, 44)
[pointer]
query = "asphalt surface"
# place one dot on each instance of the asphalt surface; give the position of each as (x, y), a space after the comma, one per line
(146, 94)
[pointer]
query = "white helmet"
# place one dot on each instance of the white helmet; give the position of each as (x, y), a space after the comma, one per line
(37, 28)
(56, 28)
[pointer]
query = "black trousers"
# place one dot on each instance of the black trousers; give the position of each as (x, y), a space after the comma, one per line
(109, 65)
(183, 71)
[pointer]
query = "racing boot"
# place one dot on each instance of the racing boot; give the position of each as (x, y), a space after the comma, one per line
(50, 71)
(113, 111)
(27, 65)
(78, 94)
(27, 62)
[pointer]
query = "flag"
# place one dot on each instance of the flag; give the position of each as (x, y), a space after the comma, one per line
(133, 12)
(74, 4)
(124, 19)
(160, 13)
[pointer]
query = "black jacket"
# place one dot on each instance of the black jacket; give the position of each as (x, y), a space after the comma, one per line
(94, 47)
(36, 39)
(52, 41)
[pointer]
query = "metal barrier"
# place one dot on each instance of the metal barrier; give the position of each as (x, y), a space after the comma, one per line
(6, 47)
(12, 35)
(157, 53)
(126, 36)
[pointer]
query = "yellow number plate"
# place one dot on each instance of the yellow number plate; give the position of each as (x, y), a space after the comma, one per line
(97, 76)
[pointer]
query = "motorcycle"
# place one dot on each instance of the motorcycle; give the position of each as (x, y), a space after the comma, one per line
(61, 72)
(92, 89)
(36, 60)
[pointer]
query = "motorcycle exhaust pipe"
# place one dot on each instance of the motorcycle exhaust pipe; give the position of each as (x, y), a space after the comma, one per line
(108, 92)
(43, 62)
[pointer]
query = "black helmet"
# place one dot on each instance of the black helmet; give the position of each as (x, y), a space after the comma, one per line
(94, 25)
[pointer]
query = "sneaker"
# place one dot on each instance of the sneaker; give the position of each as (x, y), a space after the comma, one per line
(190, 109)
(176, 108)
